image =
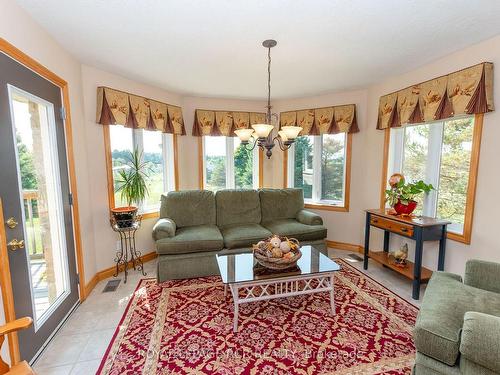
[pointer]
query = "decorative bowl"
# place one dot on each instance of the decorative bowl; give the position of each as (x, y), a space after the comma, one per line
(277, 252)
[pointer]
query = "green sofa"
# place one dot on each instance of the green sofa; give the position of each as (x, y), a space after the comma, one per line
(458, 326)
(195, 225)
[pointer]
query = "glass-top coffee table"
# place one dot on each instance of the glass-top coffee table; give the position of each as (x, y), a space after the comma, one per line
(250, 282)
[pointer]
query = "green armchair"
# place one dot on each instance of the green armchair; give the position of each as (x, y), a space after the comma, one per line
(458, 326)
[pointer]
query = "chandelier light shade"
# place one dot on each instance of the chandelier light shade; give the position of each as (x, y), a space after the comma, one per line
(264, 132)
(283, 136)
(291, 132)
(244, 134)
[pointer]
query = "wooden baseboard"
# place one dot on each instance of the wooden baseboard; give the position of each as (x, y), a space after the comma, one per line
(108, 272)
(91, 285)
(345, 246)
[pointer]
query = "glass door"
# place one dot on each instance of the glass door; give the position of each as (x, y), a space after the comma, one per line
(37, 162)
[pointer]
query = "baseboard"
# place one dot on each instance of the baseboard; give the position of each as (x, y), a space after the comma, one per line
(345, 246)
(91, 285)
(108, 272)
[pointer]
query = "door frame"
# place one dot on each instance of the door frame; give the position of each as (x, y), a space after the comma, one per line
(5, 280)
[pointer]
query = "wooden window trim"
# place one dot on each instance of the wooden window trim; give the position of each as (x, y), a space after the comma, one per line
(347, 186)
(466, 236)
(109, 170)
(201, 182)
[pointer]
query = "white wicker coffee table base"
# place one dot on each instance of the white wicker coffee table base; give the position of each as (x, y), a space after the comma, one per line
(290, 286)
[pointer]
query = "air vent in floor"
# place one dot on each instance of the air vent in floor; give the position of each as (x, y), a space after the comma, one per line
(354, 258)
(111, 285)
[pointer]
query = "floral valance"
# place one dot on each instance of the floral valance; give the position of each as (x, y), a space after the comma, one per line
(118, 107)
(208, 122)
(468, 91)
(327, 120)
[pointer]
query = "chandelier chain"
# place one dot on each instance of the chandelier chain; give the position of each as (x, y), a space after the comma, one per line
(269, 85)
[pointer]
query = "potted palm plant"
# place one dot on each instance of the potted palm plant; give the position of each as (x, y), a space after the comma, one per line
(132, 185)
(401, 195)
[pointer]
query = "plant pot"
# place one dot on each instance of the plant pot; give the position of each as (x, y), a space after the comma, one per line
(405, 209)
(124, 216)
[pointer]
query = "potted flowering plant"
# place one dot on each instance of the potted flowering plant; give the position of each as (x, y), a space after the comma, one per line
(401, 195)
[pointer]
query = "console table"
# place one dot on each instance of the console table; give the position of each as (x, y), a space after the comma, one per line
(418, 228)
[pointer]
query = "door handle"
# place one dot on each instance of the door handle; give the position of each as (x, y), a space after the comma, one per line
(11, 222)
(15, 244)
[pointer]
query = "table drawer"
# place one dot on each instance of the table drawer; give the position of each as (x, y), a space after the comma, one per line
(393, 226)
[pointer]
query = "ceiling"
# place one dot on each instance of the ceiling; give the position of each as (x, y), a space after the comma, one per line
(213, 47)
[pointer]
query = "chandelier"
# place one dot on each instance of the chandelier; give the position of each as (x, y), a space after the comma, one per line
(262, 134)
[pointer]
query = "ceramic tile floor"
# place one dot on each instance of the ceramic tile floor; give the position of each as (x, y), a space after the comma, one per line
(81, 343)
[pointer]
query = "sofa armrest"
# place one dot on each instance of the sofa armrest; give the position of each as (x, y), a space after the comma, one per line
(483, 275)
(480, 338)
(309, 218)
(449, 275)
(164, 228)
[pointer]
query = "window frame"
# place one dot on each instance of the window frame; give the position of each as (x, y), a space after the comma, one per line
(109, 168)
(287, 160)
(257, 167)
(465, 237)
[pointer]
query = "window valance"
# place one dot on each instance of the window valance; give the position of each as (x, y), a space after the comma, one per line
(327, 120)
(208, 122)
(467, 91)
(118, 107)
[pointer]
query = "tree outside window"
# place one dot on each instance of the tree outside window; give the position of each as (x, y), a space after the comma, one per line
(316, 164)
(438, 153)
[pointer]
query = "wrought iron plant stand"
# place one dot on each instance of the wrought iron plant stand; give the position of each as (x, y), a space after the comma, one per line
(128, 254)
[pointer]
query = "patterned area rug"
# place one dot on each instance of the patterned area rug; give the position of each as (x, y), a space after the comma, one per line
(185, 327)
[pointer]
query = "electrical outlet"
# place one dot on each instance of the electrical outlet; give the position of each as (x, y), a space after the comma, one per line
(118, 245)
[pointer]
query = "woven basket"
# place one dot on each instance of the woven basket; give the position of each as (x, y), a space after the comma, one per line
(278, 263)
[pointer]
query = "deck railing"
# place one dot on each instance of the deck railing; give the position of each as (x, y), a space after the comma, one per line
(33, 229)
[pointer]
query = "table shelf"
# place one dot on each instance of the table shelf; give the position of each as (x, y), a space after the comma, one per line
(387, 260)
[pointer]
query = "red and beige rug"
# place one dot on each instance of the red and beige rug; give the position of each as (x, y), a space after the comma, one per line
(185, 327)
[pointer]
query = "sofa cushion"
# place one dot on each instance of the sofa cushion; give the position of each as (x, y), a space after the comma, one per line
(189, 207)
(440, 320)
(243, 235)
(237, 207)
(192, 239)
(292, 228)
(280, 203)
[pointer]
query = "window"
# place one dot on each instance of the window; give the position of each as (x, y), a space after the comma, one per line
(226, 165)
(442, 154)
(319, 165)
(157, 149)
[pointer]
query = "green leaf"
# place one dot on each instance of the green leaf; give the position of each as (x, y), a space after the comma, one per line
(132, 182)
